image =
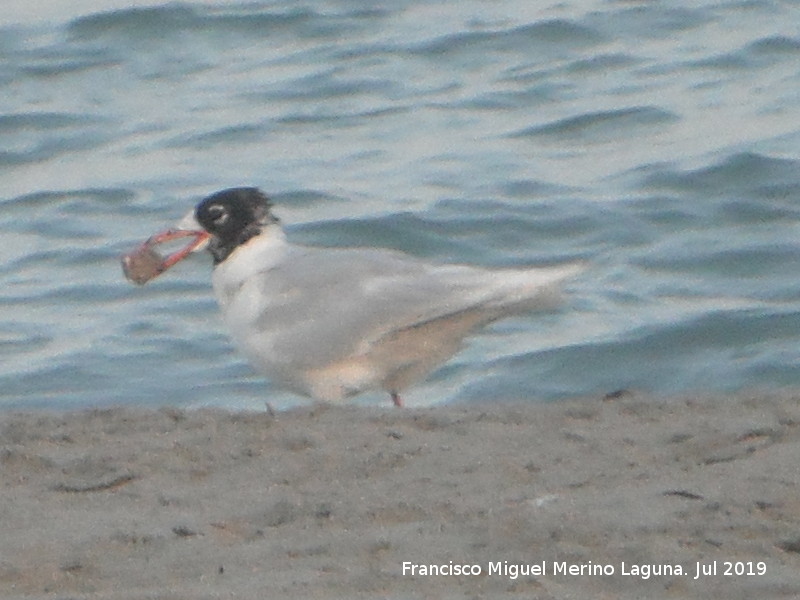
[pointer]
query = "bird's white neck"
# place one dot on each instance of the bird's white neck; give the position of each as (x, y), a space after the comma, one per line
(258, 254)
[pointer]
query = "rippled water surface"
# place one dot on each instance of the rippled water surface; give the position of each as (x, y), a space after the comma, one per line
(657, 141)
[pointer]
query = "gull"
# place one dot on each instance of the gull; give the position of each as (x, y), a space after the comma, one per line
(330, 323)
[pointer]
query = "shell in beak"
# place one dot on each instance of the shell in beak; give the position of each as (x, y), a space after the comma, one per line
(145, 263)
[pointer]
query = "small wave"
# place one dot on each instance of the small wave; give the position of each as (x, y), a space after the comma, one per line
(648, 22)
(171, 18)
(44, 382)
(61, 65)
(235, 134)
(87, 200)
(400, 231)
(557, 32)
(52, 149)
(41, 136)
(15, 338)
(163, 22)
(326, 86)
(45, 121)
(777, 45)
(297, 198)
(703, 349)
(531, 188)
(758, 54)
(150, 20)
(337, 119)
(752, 261)
(745, 173)
(601, 124)
(603, 63)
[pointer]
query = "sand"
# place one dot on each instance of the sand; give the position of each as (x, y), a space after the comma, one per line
(587, 497)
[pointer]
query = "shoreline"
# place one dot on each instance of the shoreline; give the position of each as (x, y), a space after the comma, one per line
(629, 496)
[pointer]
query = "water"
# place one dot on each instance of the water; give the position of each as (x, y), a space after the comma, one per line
(657, 142)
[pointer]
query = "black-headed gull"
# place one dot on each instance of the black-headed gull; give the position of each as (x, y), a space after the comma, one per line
(331, 323)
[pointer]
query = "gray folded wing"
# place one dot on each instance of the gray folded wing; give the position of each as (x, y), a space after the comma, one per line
(321, 305)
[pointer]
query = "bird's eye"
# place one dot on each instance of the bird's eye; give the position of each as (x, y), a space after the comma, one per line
(219, 214)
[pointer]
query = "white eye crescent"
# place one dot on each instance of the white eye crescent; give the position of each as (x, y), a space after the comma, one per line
(219, 214)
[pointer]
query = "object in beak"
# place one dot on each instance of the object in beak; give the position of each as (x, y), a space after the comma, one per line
(144, 263)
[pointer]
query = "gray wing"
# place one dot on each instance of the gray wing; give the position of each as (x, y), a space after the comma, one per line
(326, 304)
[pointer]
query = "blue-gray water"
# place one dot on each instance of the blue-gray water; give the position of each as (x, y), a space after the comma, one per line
(658, 141)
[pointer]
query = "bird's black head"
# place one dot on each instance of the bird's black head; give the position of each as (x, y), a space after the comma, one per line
(232, 217)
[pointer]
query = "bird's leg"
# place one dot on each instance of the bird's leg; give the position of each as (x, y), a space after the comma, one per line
(396, 399)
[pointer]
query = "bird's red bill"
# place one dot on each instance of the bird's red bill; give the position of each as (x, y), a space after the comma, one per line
(144, 263)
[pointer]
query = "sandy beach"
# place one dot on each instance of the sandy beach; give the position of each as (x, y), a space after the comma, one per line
(617, 497)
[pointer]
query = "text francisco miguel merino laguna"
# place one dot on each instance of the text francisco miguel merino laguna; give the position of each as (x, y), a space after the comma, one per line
(543, 569)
